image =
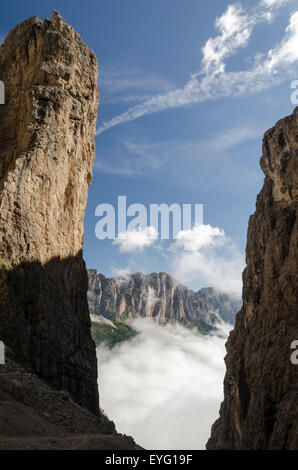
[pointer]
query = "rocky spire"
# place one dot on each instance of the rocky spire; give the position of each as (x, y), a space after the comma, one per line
(46, 157)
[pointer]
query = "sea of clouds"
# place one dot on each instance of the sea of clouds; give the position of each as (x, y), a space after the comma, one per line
(165, 386)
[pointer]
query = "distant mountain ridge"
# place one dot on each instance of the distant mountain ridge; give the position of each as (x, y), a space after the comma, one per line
(158, 296)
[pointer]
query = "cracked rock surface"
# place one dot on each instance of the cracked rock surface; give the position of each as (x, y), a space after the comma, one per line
(46, 157)
(260, 407)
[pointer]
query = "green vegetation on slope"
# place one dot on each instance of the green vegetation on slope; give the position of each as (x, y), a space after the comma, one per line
(202, 327)
(102, 333)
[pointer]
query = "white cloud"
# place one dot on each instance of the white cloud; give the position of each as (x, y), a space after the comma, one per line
(152, 298)
(219, 269)
(121, 272)
(287, 51)
(165, 386)
(120, 85)
(235, 27)
(134, 158)
(206, 256)
(232, 137)
(111, 169)
(119, 79)
(202, 256)
(270, 3)
(121, 275)
(213, 81)
(198, 237)
(136, 240)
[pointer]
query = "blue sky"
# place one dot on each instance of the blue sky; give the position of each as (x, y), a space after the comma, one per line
(187, 91)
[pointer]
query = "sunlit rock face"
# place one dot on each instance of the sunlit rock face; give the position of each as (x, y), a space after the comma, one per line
(158, 296)
(260, 407)
(46, 156)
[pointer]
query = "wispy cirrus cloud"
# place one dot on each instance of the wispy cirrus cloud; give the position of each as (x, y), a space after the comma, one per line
(142, 157)
(114, 169)
(120, 85)
(212, 81)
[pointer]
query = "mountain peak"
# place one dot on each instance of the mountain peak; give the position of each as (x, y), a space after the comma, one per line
(159, 296)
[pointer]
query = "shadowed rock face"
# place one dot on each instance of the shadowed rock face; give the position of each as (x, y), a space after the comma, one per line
(260, 407)
(157, 296)
(46, 156)
(34, 416)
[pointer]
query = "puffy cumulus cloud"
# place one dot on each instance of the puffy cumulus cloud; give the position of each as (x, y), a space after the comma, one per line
(204, 255)
(122, 272)
(165, 386)
(201, 256)
(121, 275)
(198, 237)
(220, 269)
(136, 240)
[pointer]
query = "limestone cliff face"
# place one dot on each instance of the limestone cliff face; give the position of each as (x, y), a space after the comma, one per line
(260, 407)
(46, 156)
(158, 296)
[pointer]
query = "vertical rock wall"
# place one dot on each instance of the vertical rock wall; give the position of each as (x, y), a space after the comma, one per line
(159, 296)
(260, 407)
(47, 129)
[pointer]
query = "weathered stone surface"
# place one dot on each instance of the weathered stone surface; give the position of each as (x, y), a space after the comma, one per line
(260, 407)
(46, 156)
(34, 416)
(158, 296)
